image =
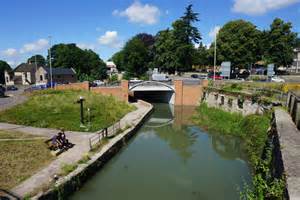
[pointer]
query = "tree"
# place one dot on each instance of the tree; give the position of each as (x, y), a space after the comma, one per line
(85, 62)
(40, 60)
(281, 41)
(201, 57)
(297, 43)
(237, 42)
(136, 58)
(164, 47)
(3, 66)
(118, 59)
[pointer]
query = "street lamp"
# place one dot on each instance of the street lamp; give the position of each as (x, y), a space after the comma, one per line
(215, 52)
(50, 62)
(80, 101)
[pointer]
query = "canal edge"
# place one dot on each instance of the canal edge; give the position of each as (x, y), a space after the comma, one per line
(67, 185)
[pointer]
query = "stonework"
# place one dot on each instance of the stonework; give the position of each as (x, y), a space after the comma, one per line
(232, 103)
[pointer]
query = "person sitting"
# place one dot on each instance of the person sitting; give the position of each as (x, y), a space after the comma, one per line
(63, 139)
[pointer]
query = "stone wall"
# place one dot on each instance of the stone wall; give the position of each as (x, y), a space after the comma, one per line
(232, 103)
(293, 105)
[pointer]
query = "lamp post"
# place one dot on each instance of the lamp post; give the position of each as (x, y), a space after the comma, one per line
(80, 101)
(50, 62)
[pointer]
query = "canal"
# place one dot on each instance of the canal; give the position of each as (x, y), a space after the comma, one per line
(170, 159)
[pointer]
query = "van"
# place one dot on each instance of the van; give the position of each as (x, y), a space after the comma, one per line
(160, 77)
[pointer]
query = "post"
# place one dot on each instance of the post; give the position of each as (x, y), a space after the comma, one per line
(215, 56)
(80, 101)
(50, 63)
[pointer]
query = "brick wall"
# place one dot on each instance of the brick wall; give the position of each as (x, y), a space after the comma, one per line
(187, 95)
(120, 92)
(74, 86)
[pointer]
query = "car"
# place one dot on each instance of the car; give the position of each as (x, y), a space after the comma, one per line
(277, 79)
(11, 88)
(98, 82)
(194, 76)
(2, 91)
(160, 77)
(216, 76)
(135, 80)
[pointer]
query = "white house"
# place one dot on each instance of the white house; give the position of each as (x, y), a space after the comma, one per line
(296, 63)
(111, 68)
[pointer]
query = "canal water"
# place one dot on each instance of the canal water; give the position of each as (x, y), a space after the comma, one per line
(170, 159)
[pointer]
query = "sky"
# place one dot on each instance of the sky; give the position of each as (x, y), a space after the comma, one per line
(30, 27)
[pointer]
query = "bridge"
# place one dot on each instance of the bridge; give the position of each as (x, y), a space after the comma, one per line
(177, 92)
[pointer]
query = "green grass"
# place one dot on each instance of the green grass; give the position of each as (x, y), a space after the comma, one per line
(68, 168)
(252, 128)
(58, 109)
(7, 134)
(21, 159)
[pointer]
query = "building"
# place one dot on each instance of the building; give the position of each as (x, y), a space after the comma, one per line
(30, 74)
(59, 76)
(111, 68)
(296, 62)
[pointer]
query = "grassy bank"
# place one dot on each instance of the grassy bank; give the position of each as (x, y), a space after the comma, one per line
(58, 109)
(253, 129)
(20, 159)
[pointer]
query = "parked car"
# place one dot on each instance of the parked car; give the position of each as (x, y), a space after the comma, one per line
(98, 82)
(135, 80)
(194, 76)
(2, 91)
(160, 77)
(216, 76)
(277, 79)
(11, 88)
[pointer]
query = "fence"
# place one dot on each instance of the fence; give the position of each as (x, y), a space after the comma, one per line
(104, 133)
(293, 105)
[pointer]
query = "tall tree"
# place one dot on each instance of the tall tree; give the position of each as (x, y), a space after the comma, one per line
(201, 57)
(185, 35)
(118, 59)
(85, 62)
(237, 42)
(39, 59)
(281, 41)
(3, 66)
(164, 48)
(136, 58)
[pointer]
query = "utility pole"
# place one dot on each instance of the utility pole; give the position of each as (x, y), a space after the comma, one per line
(36, 78)
(215, 56)
(50, 62)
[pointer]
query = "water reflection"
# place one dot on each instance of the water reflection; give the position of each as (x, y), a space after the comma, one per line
(177, 121)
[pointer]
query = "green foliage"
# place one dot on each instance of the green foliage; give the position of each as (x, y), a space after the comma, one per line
(68, 168)
(58, 109)
(113, 78)
(118, 59)
(280, 43)
(237, 42)
(253, 130)
(38, 59)
(136, 58)
(3, 66)
(83, 61)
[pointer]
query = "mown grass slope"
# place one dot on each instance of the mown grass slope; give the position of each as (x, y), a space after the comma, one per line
(59, 109)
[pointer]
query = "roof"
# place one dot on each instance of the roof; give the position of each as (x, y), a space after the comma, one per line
(110, 64)
(25, 67)
(61, 71)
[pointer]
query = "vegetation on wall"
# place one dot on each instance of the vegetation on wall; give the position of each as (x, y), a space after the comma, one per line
(253, 130)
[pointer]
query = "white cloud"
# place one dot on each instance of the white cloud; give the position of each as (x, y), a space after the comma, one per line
(212, 33)
(35, 46)
(259, 7)
(86, 46)
(139, 13)
(10, 52)
(111, 39)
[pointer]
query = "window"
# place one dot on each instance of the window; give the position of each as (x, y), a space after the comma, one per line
(25, 75)
(216, 97)
(7, 80)
(41, 77)
(222, 100)
(230, 103)
(58, 76)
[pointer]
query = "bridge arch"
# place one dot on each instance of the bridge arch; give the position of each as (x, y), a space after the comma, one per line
(151, 83)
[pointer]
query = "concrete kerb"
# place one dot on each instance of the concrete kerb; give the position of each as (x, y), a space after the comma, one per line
(73, 181)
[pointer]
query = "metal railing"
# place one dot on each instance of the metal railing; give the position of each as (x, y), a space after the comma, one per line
(104, 133)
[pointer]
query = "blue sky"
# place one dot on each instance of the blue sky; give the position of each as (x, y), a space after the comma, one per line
(105, 25)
